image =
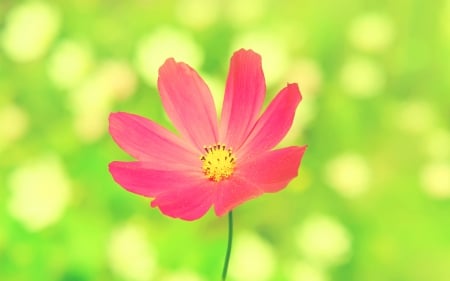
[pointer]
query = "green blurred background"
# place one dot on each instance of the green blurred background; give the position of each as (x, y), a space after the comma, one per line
(372, 201)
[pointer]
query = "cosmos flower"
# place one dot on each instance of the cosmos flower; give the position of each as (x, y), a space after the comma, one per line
(208, 163)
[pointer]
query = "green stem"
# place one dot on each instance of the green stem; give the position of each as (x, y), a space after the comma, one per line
(230, 239)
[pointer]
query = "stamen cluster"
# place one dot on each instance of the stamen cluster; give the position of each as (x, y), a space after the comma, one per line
(218, 162)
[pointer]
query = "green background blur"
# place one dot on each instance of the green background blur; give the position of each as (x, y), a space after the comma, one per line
(372, 201)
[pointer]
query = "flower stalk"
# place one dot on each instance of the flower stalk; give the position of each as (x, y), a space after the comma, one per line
(230, 240)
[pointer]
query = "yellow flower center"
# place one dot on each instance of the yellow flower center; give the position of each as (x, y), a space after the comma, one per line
(218, 162)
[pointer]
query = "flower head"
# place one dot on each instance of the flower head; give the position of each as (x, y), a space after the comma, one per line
(209, 163)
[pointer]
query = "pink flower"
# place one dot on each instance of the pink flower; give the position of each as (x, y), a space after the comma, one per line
(209, 163)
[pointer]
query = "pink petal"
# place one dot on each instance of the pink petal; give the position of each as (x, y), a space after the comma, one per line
(188, 103)
(188, 203)
(275, 122)
(271, 171)
(233, 192)
(147, 141)
(244, 96)
(147, 180)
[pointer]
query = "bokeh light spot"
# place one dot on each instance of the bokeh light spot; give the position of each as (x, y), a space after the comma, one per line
(304, 271)
(183, 276)
(371, 32)
(308, 74)
(437, 144)
(415, 117)
(435, 179)
(188, 13)
(69, 64)
(253, 259)
(29, 31)
(130, 255)
(40, 193)
(241, 13)
(324, 241)
(14, 124)
(362, 77)
(93, 99)
(272, 50)
(163, 43)
(348, 174)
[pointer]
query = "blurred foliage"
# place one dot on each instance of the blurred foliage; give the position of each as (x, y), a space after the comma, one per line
(372, 198)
